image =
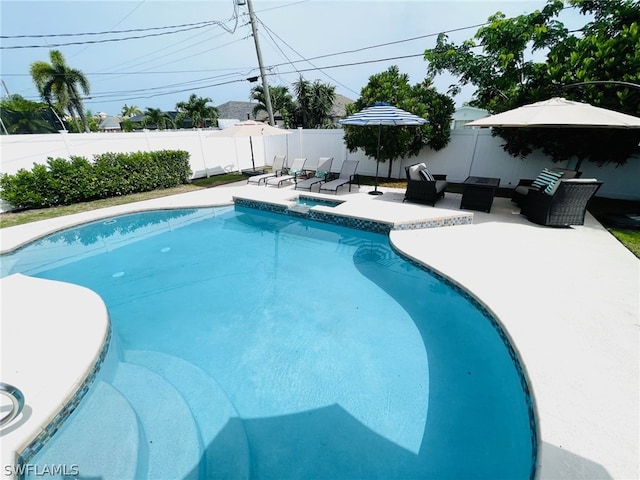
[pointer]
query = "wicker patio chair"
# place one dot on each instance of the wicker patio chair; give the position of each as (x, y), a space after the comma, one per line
(421, 190)
(565, 206)
(525, 185)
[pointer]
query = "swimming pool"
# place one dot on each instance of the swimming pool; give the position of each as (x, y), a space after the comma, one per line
(252, 344)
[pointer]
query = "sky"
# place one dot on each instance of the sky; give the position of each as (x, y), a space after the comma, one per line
(164, 51)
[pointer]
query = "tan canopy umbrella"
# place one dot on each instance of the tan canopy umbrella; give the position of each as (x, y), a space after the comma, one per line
(249, 128)
(559, 112)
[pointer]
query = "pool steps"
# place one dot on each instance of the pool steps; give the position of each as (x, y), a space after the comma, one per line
(120, 432)
(211, 409)
(167, 423)
(101, 437)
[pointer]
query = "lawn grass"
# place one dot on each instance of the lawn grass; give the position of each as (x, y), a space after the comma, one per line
(608, 211)
(10, 219)
(602, 208)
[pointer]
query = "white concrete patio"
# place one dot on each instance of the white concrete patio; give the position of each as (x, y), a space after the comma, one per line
(569, 299)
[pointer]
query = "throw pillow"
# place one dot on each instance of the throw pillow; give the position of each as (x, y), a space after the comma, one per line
(414, 171)
(552, 187)
(550, 190)
(426, 175)
(545, 178)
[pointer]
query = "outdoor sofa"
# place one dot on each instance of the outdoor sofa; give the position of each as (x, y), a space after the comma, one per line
(423, 186)
(526, 185)
(563, 205)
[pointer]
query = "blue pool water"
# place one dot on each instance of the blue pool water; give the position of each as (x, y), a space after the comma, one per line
(315, 201)
(254, 345)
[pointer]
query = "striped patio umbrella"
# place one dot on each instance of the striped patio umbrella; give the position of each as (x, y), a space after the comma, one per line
(382, 114)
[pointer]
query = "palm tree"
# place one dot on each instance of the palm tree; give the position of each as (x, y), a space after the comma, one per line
(60, 83)
(281, 102)
(23, 116)
(197, 110)
(314, 103)
(155, 116)
(130, 111)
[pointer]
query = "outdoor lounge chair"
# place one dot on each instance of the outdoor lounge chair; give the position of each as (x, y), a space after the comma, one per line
(294, 171)
(422, 186)
(565, 205)
(276, 169)
(525, 185)
(321, 175)
(347, 175)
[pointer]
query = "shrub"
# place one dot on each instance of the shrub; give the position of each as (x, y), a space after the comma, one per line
(62, 182)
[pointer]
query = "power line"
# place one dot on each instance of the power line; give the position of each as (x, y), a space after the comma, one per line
(272, 69)
(106, 40)
(109, 32)
(303, 59)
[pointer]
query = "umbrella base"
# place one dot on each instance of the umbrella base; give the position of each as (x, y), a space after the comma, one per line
(375, 192)
(251, 172)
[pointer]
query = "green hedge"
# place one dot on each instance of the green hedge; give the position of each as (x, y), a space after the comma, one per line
(63, 182)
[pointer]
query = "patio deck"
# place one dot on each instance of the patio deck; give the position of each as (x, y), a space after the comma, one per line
(569, 299)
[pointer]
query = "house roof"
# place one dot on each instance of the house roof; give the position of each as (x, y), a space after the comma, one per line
(239, 111)
(109, 122)
(339, 108)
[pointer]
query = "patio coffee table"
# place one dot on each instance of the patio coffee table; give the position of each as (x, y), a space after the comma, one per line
(478, 193)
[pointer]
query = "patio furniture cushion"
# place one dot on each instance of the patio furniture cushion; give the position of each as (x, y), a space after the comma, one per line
(545, 178)
(566, 173)
(426, 175)
(414, 171)
(551, 187)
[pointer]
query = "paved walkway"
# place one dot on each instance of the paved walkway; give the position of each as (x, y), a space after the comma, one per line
(569, 299)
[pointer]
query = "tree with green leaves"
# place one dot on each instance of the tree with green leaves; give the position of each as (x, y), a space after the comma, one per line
(129, 111)
(196, 110)
(156, 117)
(396, 142)
(281, 102)
(603, 58)
(314, 102)
(60, 84)
(21, 116)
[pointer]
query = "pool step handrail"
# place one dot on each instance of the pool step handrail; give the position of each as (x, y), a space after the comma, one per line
(17, 402)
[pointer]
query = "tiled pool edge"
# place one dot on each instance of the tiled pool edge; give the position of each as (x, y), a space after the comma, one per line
(26, 454)
(349, 221)
(486, 312)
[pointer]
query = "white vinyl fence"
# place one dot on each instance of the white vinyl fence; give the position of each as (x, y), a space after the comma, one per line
(470, 152)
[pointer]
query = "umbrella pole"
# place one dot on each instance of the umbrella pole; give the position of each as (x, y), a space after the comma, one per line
(375, 190)
(252, 160)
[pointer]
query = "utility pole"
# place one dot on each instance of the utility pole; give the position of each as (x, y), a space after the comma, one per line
(265, 85)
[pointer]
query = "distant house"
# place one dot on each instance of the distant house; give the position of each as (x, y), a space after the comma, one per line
(109, 123)
(339, 109)
(233, 112)
(239, 111)
(464, 115)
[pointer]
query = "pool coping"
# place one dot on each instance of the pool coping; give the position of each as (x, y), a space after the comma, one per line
(48, 400)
